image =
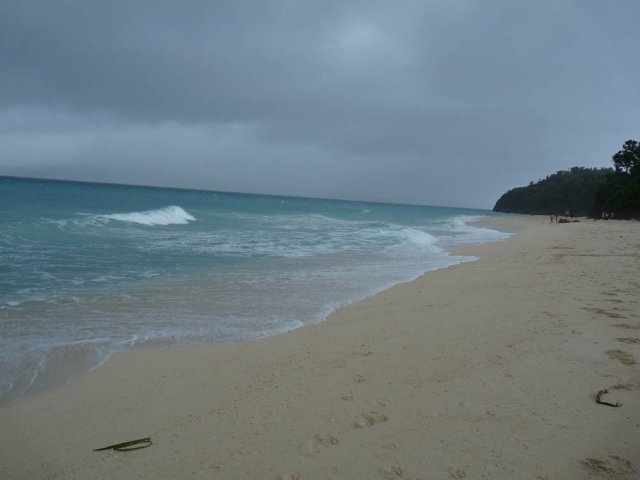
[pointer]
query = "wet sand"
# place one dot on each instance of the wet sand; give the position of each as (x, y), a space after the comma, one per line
(488, 369)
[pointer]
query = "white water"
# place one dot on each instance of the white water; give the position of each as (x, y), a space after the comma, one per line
(172, 215)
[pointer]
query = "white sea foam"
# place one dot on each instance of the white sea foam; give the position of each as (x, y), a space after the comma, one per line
(417, 237)
(460, 226)
(172, 215)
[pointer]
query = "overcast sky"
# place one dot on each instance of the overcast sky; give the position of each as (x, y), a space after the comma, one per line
(438, 102)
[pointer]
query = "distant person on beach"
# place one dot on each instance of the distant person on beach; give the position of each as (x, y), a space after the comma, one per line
(551, 217)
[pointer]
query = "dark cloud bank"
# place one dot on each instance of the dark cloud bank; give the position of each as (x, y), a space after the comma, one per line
(432, 102)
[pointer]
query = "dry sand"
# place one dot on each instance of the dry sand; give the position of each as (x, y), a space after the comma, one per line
(487, 369)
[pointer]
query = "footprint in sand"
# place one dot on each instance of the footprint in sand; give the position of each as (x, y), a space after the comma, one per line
(628, 340)
(624, 357)
(359, 379)
(319, 442)
(391, 472)
(365, 353)
(457, 473)
(609, 466)
(369, 419)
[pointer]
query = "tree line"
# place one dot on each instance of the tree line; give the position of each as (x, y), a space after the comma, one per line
(614, 192)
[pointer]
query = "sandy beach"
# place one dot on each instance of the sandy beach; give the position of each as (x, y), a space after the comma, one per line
(487, 369)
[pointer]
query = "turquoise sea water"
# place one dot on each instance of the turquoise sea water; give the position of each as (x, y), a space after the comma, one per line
(90, 269)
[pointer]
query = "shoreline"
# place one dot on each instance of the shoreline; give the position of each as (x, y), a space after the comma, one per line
(61, 365)
(482, 369)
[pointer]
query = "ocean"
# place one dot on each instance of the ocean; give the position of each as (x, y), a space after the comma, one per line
(90, 269)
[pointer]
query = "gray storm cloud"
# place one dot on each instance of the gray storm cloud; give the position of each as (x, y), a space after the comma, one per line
(431, 102)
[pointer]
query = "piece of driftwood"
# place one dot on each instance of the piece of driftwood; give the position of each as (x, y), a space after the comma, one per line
(604, 402)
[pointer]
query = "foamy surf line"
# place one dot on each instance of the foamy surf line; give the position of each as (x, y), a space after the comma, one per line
(172, 215)
(481, 234)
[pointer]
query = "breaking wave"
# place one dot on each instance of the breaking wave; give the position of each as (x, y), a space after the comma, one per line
(172, 215)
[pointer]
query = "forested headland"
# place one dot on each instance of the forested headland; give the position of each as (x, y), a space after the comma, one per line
(614, 192)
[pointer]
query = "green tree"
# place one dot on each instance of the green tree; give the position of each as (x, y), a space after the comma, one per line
(627, 160)
(620, 194)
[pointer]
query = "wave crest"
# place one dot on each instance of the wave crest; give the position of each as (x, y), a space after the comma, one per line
(417, 237)
(172, 215)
